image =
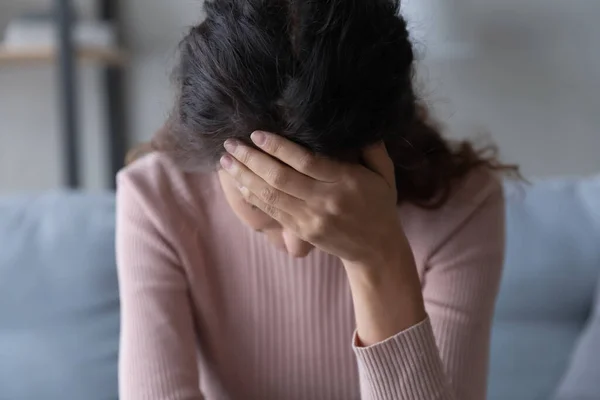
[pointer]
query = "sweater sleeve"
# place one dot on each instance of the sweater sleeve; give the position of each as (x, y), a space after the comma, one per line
(445, 357)
(157, 359)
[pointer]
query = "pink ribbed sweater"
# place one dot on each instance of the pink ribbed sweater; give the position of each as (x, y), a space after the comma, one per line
(211, 311)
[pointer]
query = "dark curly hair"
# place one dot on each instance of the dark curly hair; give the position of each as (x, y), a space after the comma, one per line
(331, 75)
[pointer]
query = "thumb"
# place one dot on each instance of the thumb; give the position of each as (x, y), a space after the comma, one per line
(377, 159)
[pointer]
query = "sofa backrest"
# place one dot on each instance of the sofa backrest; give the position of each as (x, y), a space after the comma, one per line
(59, 303)
(551, 269)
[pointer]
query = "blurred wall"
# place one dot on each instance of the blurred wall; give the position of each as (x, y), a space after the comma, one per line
(30, 149)
(525, 72)
(154, 29)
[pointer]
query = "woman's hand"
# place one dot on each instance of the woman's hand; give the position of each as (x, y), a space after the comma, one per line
(347, 210)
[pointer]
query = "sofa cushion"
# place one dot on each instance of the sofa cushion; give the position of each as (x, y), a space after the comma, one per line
(551, 268)
(59, 303)
(582, 379)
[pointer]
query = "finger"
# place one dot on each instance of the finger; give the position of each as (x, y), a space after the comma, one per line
(277, 214)
(296, 156)
(270, 170)
(248, 180)
(376, 158)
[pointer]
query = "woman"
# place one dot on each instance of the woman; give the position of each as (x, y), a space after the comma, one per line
(296, 128)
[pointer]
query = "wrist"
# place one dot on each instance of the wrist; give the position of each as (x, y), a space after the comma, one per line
(394, 279)
(391, 250)
(387, 300)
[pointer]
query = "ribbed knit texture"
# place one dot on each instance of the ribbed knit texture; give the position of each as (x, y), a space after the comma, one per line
(210, 310)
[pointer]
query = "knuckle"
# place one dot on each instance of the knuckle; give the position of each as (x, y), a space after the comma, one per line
(317, 229)
(271, 211)
(277, 177)
(352, 184)
(239, 174)
(306, 162)
(273, 145)
(269, 195)
(245, 193)
(335, 202)
(335, 206)
(244, 155)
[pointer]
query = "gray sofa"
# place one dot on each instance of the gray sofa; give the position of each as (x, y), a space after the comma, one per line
(59, 303)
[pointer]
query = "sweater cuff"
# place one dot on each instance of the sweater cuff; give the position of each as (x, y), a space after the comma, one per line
(405, 366)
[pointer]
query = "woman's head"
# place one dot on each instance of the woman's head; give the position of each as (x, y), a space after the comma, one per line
(331, 75)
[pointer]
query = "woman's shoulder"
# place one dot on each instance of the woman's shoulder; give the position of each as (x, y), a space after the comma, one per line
(477, 189)
(157, 184)
(477, 200)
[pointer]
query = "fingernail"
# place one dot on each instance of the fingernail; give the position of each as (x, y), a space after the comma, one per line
(226, 161)
(230, 145)
(259, 138)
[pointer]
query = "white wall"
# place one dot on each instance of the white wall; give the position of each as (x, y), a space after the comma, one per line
(154, 29)
(526, 72)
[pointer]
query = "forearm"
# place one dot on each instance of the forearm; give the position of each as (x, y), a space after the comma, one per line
(387, 298)
(395, 347)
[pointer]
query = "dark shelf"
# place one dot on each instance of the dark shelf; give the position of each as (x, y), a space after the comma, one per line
(67, 58)
(42, 55)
